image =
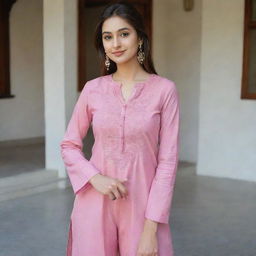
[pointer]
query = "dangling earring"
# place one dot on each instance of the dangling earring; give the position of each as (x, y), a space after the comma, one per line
(141, 54)
(107, 62)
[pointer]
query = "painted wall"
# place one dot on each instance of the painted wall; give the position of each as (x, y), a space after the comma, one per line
(227, 124)
(199, 50)
(176, 53)
(23, 115)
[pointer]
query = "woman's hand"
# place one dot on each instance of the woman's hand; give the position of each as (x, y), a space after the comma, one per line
(147, 244)
(109, 186)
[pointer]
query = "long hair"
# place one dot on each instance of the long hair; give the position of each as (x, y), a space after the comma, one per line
(128, 12)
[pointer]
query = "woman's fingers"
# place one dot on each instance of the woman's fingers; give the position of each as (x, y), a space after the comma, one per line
(114, 189)
(117, 190)
(111, 196)
(122, 189)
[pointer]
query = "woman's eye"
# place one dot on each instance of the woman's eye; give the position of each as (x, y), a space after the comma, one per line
(125, 33)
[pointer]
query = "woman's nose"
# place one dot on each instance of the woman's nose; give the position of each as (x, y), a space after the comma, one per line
(116, 42)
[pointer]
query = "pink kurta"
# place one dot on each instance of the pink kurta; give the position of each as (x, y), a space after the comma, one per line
(135, 140)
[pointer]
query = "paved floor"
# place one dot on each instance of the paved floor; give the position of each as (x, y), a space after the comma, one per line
(209, 217)
(21, 156)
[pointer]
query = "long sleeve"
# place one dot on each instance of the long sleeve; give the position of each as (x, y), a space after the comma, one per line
(161, 191)
(79, 169)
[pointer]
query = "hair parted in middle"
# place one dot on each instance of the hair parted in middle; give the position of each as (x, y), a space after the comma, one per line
(130, 14)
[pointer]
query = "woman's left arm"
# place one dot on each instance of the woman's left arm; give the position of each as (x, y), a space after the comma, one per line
(161, 191)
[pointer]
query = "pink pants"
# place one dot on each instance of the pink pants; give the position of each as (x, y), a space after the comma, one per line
(110, 227)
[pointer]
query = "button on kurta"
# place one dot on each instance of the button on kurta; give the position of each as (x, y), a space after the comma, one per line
(137, 87)
(123, 127)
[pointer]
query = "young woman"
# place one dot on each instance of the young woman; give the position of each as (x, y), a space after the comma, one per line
(124, 192)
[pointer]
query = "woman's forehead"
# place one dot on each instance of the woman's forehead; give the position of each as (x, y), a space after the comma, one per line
(115, 24)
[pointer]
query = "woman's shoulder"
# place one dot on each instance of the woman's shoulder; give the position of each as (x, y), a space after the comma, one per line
(95, 83)
(160, 81)
(164, 83)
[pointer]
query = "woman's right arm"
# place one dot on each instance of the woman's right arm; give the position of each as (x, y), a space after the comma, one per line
(79, 169)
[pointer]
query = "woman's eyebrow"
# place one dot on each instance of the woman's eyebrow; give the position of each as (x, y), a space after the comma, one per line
(106, 32)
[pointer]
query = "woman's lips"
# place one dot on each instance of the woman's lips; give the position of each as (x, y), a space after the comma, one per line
(118, 53)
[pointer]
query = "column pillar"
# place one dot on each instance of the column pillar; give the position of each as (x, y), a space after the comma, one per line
(60, 75)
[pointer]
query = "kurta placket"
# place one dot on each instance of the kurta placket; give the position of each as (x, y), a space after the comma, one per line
(136, 90)
(122, 126)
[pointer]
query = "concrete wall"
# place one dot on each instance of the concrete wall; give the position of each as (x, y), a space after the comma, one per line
(199, 50)
(202, 52)
(23, 116)
(176, 53)
(227, 125)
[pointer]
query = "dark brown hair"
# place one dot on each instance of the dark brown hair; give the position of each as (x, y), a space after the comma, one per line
(128, 12)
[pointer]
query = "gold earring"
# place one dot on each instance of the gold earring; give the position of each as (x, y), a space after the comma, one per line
(141, 54)
(107, 62)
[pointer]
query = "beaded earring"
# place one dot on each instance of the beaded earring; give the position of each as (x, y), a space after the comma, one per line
(141, 54)
(107, 62)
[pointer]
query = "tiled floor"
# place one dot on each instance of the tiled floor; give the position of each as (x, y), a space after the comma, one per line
(209, 217)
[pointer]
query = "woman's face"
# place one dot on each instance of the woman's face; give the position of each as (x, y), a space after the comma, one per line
(118, 35)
